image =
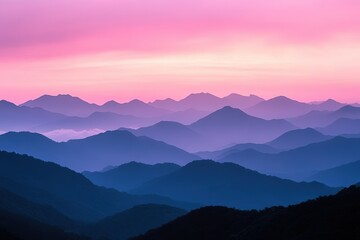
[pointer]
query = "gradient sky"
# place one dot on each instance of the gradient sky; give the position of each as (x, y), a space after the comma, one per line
(147, 49)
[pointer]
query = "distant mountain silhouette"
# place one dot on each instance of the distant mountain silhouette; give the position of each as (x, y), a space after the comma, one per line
(96, 120)
(239, 101)
(64, 104)
(263, 148)
(95, 152)
(279, 108)
(326, 218)
(132, 222)
(302, 162)
(207, 102)
(316, 119)
(74, 106)
(298, 138)
(227, 184)
(65, 190)
(184, 117)
(175, 134)
(328, 105)
(230, 125)
(17, 227)
(130, 175)
(15, 118)
(342, 176)
(134, 108)
(342, 126)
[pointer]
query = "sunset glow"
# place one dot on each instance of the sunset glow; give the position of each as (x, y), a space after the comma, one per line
(101, 50)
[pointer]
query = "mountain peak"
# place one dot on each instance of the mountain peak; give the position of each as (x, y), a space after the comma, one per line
(111, 103)
(26, 136)
(230, 111)
(201, 96)
(7, 104)
(348, 109)
(330, 100)
(137, 101)
(280, 99)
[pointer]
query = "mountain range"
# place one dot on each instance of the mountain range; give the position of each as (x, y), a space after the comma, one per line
(282, 107)
(315, 119)
(130, 175)
(227, 184)
(224, 127)
(95, 152)
(341, 176)
(229, 126)
(302, 162)
(67, 191)
(207, 102)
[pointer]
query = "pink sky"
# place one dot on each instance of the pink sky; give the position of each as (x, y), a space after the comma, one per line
(147, 49)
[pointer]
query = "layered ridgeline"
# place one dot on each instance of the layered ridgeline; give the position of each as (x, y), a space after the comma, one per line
(23, 219)
(302, 162)
(224, 127)
(317, 118)
(333, 217)
(130, 175)
(289, 140)
(95, 152)
(15, 118)
(283, 107)
(227, 184)
(67, 191)
(207, 102)
(74, 106)
(344, 175)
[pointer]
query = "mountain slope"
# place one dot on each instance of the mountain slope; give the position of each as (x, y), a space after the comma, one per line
(15, 118)
(96, 120)
(316, 119)
(326, 218)
(298, 138)
(344, 175)
(342, 126)
(95, 152)
(328, 105)
(18, 227)
(228, 184)
(16, 204)
(302, 162)
(132, 222)
(229, 125)
(67, 191)
(215, 155)
(130, 175)
(175, 134)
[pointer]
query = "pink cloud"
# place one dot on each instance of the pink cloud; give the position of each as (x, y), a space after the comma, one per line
(41, 28)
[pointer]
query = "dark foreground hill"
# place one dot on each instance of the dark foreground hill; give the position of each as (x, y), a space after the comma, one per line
(19, 227)
(326, 218)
